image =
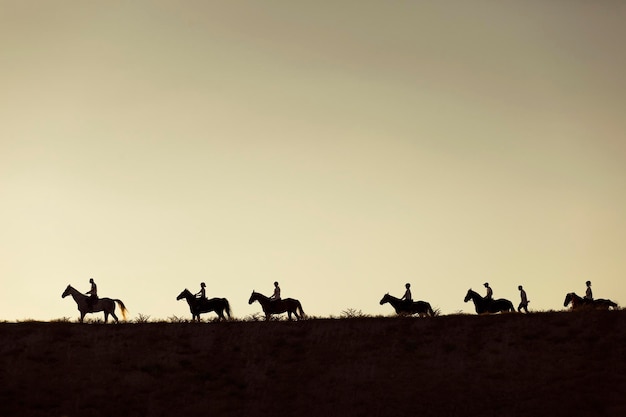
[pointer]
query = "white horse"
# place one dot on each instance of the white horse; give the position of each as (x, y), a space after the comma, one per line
(103, 304)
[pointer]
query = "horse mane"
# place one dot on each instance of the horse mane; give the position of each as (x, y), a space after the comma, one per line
(260, 295)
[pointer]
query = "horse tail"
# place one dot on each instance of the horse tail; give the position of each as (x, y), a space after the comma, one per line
(300, 309)
(122, 308)
(228, 311)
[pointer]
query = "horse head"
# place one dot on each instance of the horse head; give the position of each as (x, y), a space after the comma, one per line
(568, 298)
(469, 295)
(185, 294)
(253, 297)
(66, 292)
(385, 299)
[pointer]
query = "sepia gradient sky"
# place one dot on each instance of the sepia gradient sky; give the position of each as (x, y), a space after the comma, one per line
(342, 148)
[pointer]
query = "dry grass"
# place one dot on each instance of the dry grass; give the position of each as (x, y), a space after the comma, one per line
(553, 364)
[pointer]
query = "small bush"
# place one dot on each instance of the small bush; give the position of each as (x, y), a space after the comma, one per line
(62, 320)
(176, 319)
(254, 317)
(142, 319)
(351, 313)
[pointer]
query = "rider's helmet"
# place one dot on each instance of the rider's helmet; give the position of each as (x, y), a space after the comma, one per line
(202, 284)
(588, 283)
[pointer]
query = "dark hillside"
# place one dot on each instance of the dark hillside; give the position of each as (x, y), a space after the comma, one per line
(545, 364)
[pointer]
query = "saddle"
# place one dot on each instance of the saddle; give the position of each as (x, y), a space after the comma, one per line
(91, 302)
(202, 301)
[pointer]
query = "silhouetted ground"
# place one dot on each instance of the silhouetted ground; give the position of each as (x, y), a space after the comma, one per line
(544, 364)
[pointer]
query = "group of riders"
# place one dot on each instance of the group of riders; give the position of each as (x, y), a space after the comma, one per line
(407, 297)
(523, 305)
(202, 293)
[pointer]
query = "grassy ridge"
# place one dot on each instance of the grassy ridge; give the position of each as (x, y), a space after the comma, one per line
(553, 364)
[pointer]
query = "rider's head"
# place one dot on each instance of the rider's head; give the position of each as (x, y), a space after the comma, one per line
(588, 283)
(202, 284)
(486, 284)
(276, 283)
(408, 285)
(91, 280)
(519, 287)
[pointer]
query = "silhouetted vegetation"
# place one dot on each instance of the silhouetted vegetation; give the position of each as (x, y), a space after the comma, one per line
(510, 364)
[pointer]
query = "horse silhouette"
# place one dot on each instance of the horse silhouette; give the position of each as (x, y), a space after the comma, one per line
(484, 305)
(286, 305)
(404, 308)
(107, 305)
(198, 306)
(579, 303)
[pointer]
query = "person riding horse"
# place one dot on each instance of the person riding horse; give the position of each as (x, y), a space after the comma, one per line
(202, 293)
(407, 297)
(588, 292)
(276, 295)
(93, 292)
(489, 295)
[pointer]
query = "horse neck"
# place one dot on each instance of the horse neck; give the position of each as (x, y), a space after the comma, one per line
(261, 298)
(576, 299)
(394, 301)
(474, 295)
(76, 295)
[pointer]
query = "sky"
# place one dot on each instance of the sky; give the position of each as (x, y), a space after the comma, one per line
(340, 148)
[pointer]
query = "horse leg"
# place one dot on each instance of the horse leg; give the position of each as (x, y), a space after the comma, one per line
(82, 315)
(114, 317)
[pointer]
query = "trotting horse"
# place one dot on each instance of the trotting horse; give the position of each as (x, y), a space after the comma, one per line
(403, 308)
(198, 306)
(484, 305)
(579, 303)
(286, 305)
(103, 304)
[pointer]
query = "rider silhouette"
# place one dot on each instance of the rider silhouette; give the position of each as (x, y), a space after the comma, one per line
(93, 292)
(202, 293)
(489, 295)
(588, 293)
(276, 295)
(407, 297)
